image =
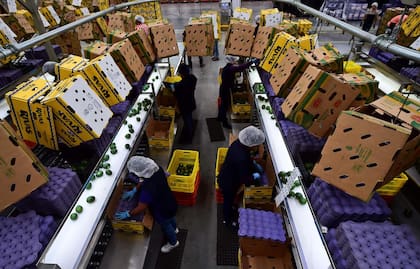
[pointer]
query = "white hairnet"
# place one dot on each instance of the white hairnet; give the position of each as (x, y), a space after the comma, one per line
(374, 4)
(49, 67)
(232, 59)
(139, 18)
(251, 136)
(142, 166)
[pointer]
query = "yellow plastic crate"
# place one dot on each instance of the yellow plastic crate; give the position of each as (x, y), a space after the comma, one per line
(351, 67)
(394, 186)
(241, 102)
(221, 155)
(179, 182)
(258, 192)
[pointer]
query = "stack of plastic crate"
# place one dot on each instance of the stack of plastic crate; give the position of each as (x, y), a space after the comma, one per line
(184, 186)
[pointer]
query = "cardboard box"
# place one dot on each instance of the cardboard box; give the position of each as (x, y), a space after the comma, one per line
(143, 46)
(328, 58)
(164, 40)
(167, 103)
(122, 21)
(271, 17)
(304, 26)
(257, 262)
(95, 49)
(367, 85)
(78, 108)
(411, 26)
(290, 27)
(160, 132)
(151, 11)
(199, 39)
(307, 42)
(20, 170)
(33, 120)
(51, 15)
(277, 51)
(69, 66)
(105, 77)
(132, 226)
(127, 59)
(69, 14)
(115, 36)
(240, 38)
(242, 13)
(363, 152)
(317, 99)
(289, 72)
(262, 41)
(19, 24)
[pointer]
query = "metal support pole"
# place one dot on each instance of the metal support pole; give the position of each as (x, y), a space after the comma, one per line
(381, 41)
(32, 7)
(43, 38)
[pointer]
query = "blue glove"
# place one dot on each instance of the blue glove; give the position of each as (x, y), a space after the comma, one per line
(122, 215)
(256, 176)
(128, 195)
(258, 167)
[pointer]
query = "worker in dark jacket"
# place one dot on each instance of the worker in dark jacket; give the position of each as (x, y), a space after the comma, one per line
(226, 86)
(156, 195)
(238, 169)
(184, 93)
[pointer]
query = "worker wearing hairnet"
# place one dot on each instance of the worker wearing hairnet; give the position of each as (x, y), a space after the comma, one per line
(156, 195)
(227, 84)
(238, 169)
(141, 24)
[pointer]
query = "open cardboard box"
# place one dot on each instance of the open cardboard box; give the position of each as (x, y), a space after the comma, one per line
(126, 225)
(369, 147)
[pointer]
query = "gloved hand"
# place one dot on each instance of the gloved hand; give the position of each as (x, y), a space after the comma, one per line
(122, 215)
(258, 167)
(256, 176)
(128, 195)
(255, 61)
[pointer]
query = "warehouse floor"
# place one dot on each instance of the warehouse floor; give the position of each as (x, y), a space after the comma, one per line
(200, 219)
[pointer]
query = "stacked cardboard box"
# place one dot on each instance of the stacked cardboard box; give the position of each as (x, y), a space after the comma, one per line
(240, 37)
(19, 24)
(242, 13)
(164, 40)
(215, 20)
(151, 11)
(115, 36)
(368, 87)
(370, 147)
(105, 77)
(20, 170)
(50, 15)
(292, 67)
(411, 26)
(261, 41)
(127, 59)
(328, 58)
(304, 26)
(79, 114)
(277, 51)
(69, 66)
(143, 46)
(317, 99)
(271, 17)
(290, 27)
(307, 42)
(121, 21)
(34, 121)
(199, 37)
(95, 49)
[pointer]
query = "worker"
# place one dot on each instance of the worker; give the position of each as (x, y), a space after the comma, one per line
(184, 93)
(226, 86)
(140, 24)
(238, 169)
(396, 20)
(155, 195)
(371, 17)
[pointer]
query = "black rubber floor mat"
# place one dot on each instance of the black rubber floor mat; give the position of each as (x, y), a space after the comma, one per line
(215, 130)
(173, 259)
(227, 241)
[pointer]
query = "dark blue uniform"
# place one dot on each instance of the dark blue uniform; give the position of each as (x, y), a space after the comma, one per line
(155, 192)
(236, 170)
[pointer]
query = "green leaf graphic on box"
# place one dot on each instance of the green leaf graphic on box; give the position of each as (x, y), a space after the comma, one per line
(349, 147)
